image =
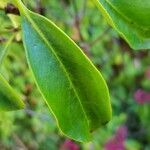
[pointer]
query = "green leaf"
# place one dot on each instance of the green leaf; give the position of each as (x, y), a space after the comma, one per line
(131, 18)
(4, 50)
(9, 100)
(72, 87)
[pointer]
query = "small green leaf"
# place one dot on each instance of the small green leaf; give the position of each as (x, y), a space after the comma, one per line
(73, 88)
(9, 100)
(4, 50)
(131, 18)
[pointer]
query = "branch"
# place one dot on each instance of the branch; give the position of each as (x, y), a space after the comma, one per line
(99, 37)
(77, 20)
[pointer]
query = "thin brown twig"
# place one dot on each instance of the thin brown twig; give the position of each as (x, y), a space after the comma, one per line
(19, 142)
(99, 37)
(77, 19)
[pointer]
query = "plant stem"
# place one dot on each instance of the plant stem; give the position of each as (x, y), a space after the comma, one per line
(20, 6)
(11, 9)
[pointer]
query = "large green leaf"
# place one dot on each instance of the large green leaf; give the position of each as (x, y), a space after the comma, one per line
(9, 100)
(131, 18)
(73, 88)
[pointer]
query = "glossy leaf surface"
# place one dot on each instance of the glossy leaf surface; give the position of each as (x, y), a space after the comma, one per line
(131, 18)
(9, 100)
(73, 88)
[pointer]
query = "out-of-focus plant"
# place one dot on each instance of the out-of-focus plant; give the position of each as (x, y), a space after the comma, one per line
(126, 72)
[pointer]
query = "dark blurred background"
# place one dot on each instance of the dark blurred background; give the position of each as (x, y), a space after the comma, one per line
(126, 71)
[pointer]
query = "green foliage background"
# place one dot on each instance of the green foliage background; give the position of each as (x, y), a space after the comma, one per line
(123, 68)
